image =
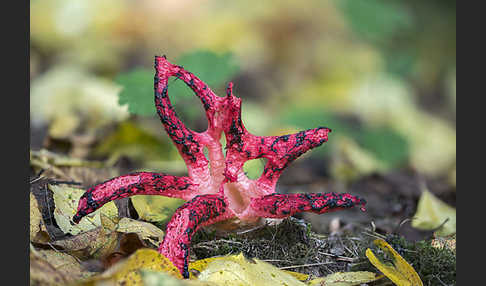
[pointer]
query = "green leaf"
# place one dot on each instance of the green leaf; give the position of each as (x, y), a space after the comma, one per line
(376, 20)
(385, 144)
(211, 68)
(137, 92)
(214, 69)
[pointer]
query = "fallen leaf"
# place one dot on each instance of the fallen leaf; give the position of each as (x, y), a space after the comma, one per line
(127, 272)
(237, 270)
(346, 278)
(432, 212)
(299, 276)
(447, 242)
(62, 266)
(36, 223)
(43, 273)
(352, 161)
(66, 204)
(400, 272)
(144, 230)
(201, 264)
(95, 243)
(153, 278)
(155, 208)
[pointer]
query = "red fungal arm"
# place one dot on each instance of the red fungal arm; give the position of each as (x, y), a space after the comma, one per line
(188, 218)
(142, 183)
(279, 150)
(189, 143)
(284, 205)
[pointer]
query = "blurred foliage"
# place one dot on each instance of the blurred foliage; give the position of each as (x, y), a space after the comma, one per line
(380, 74)
(70, 98)
(138, 88)
(131, 141)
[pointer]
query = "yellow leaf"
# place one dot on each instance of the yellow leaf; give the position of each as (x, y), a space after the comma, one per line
(201, 264)
(346, 278)
(299, 276)
(155, 208)
(144, 230)
(153, 278)
(127, 272)
(401, 273)
(237, 270)
(66, 204)
(432, 212)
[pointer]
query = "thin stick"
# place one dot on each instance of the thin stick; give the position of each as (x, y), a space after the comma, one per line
(339, 257)
(305, 265)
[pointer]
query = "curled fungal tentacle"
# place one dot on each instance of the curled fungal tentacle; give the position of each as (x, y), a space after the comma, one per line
(188, 218)
(142, 183)
(284, 205)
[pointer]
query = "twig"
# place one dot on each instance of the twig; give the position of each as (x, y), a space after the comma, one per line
(305, 265)
(375, 235)
(344, 258)
(276, 260)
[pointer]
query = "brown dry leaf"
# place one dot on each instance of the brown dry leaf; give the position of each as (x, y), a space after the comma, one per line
(95, 243)
(129, 243)
(400, 272)
(43, 273)
(127, 272)
(237, 270)
(447, 242)
(144, 230)
(61, 266)
(346, 278)
(38, 232)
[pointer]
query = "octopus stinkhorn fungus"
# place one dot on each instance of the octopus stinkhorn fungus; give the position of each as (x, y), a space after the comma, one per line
(217, 189)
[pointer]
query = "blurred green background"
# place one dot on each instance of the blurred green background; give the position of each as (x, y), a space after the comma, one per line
(380, 74)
